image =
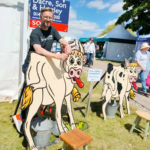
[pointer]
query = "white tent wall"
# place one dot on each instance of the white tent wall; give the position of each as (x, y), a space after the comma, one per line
(11, 33)
(119, 51)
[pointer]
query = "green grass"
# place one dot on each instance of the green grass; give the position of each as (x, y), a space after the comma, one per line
(112, 134)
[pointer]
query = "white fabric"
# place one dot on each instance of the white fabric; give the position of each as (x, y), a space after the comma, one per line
(91, 48)
(141, 57)
(11, 2)
(10, 39)
(85, 46)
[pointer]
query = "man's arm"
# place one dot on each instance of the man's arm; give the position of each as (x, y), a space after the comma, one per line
(66, 47)
(38, 49)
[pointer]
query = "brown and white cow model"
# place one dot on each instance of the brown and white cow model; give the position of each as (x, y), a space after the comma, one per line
(52, 81)
(117, 83)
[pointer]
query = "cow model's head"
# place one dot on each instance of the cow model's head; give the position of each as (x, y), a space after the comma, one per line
(132, 70)
(74, 63)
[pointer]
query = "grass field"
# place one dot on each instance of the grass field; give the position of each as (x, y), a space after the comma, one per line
(111, 134)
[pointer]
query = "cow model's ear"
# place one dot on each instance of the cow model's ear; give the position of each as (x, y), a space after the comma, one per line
(72, 44)
(81, 47)
(127, 63)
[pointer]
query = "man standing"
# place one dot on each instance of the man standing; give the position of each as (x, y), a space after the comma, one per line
(41, 40)
(143, 60)
(85, 46)
(91, 51)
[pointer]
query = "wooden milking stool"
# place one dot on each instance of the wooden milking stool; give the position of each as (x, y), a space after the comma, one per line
(145, 116)
(75, 139)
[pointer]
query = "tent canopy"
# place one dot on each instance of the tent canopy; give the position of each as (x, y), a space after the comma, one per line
(118, 34)
(121, 44)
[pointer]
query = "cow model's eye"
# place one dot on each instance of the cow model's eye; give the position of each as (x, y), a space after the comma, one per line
(71, 60)
(131, 71)
(79, 62)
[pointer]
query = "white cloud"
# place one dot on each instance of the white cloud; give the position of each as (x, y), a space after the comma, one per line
(111, 22)
(78, 28)
(117, 7)
(81, 2)
(98, 4)
(72, 14)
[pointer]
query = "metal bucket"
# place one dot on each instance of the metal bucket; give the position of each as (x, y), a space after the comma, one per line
(42, 128)
(41, 139)
(111, 109)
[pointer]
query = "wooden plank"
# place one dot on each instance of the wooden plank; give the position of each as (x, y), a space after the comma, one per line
(76, 138)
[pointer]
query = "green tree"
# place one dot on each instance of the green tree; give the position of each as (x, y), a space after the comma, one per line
(136, 16)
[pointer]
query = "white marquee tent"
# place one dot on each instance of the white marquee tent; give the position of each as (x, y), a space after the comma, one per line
(11, 39)
(120, 44)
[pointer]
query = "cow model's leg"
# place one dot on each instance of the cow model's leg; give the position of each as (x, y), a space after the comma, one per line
(122, 94)
(108, 97)
(33, 108)
(69, 108)
(58, 116)
(105, 88)
(127, 101)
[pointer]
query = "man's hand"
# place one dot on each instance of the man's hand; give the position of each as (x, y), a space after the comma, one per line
(67, 49)
(65, 46)
(62, 56)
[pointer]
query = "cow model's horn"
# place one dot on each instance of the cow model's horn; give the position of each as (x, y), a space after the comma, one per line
(81, 47)
(72, 44)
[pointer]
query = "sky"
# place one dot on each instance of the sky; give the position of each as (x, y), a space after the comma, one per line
(88, 18)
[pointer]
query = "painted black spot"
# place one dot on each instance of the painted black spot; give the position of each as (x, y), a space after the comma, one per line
(119, 87)
(122, 65)
(113, 79)
(108, 76)
(109, 68)
(120, 74)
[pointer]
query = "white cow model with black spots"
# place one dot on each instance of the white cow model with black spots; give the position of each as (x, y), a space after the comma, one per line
(117, 84)
(52, 81)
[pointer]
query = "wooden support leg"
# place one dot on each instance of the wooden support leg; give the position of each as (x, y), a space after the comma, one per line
(135, 124)
(66, 147)
(85, 147)
(146, 130)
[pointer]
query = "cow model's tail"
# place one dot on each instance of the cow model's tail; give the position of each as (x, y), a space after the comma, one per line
(27, 97)
(76, 95)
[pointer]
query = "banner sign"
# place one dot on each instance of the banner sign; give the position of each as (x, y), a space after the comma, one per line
(94, 74)
(60, 9)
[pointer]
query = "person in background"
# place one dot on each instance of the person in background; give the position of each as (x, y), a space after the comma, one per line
(91, 51)
(85, 46)
(41, 40)
(142, 58)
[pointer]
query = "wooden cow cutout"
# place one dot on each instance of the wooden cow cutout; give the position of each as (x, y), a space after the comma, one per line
(117, 84)
(52, 81)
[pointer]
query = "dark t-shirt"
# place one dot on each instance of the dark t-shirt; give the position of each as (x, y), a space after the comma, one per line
(43, 38)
